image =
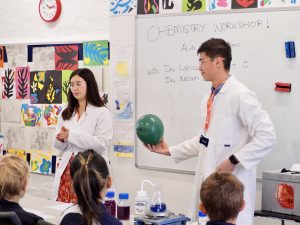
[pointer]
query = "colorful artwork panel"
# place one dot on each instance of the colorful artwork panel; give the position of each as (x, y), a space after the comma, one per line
(51, 113)
(31, 115)
(66, 57)
(65, 85)
(37, 85)
(45, 87)
(22, 83)
(8, 84)
(148, 7)
(122, 7)
(95, 53)
(193, 5)
(123, 110)
(21, 153)
(242, 4)
(41, 162)
(219, 4)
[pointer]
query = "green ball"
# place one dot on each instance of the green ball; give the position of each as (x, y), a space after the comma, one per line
(150, 129)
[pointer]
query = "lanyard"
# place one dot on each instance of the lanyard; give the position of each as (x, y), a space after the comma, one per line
(208, 110)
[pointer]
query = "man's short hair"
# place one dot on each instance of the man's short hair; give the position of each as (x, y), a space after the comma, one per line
(222, 196)
(215, 47)
(14, 175)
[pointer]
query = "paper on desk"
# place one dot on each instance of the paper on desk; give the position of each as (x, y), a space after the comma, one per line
(295, 167)
(39, 213)
(60, 207)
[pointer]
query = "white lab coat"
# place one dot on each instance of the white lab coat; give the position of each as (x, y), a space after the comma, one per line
(238, 126)
(94, 130)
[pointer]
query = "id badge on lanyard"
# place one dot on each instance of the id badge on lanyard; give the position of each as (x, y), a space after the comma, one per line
(204, 140)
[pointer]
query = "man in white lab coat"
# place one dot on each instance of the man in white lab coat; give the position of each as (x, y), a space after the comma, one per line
(235, 132)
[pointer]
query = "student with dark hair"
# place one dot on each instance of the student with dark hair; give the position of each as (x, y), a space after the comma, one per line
(91, 181)
(235, 132)
(14, 177)
(84, 124)
(222, 198)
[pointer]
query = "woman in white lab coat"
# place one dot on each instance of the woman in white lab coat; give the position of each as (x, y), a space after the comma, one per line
(235, 132)
(84, 124)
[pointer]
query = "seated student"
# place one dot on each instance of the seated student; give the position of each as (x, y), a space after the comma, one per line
(13, 185)
(91, 181)
(222, 198)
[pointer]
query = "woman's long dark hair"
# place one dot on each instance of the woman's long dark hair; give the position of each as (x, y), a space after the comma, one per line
(89, 172)
(92, 92)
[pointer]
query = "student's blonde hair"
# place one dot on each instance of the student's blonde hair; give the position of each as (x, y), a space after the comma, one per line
(222, 195)
(14, 174)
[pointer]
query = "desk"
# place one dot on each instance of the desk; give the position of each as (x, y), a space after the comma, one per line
(280, 216)
(49, 209)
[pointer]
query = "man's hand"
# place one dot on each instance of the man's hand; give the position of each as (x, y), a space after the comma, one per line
(160, 148)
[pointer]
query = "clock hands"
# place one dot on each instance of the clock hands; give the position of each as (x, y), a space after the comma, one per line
(50, 7)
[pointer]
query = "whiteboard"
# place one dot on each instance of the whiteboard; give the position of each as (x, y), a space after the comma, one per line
(169, 85)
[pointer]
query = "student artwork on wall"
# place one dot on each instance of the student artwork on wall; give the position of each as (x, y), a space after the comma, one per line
(22, 83)
(41, 162)
(66, 57)
(14, 137)
(10, 111)
(148, 6)
(8, 84)
(193, 5)
(123, 139)
(31, 115)
(95, 53)
(241, 4)
(45, 87)
(16, 55)
(169, 6)
(123, 7)
(40, 138)
(42, 59)
(34, 81)
(276, 3)
(65, 85)
(19, 152)
(219, 4)
(1, 56)
(121, 62)
(51, 113)
(37, 84)
(123, 101)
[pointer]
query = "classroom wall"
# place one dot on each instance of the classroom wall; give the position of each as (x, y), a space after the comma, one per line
(89, 20)
(79, 21)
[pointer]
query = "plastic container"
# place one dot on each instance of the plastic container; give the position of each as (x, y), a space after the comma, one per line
(141, 202)
(110, 203)
(123, 208)
(202, 218)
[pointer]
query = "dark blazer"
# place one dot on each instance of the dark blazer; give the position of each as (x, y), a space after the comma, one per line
(76, 218)
(26, 218)
(212, 222)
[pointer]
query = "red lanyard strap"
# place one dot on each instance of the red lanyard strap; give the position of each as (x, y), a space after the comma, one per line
(208, 111)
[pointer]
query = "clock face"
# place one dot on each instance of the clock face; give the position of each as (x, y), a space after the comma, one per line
(50, 10)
